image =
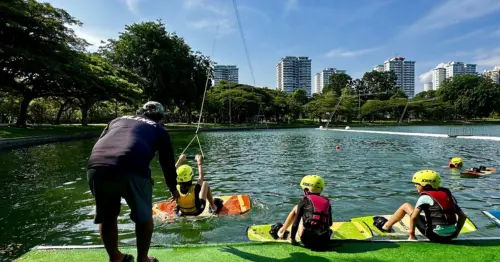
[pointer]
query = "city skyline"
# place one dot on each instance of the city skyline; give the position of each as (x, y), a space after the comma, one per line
(352, 36)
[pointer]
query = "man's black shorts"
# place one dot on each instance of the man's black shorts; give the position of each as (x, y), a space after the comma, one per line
(108, 187)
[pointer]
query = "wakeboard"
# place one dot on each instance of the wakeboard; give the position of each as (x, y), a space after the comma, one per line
(494, 215)
(402, 228)
(474, 174)
(341, 230)
(232, 205)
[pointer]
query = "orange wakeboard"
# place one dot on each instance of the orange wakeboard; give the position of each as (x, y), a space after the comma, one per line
(232, 205)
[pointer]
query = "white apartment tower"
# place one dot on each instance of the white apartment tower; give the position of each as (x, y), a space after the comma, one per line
(438, 76)
(378, 68)
(294, 73)
(494, 74)
(405, 74)
(454, 69)
(321, 79)
(428, 86)
(227, 73)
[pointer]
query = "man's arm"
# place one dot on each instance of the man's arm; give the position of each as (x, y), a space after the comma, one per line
(199, 162)
(166, 157)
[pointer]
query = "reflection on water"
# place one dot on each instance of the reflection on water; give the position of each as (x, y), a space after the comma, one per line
(45, 199)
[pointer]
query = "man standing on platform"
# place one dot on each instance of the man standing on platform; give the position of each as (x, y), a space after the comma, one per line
(119, 167)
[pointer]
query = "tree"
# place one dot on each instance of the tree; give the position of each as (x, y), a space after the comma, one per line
(471, 95)
(36, 46)
(337, 82)
(380, 82)
(174, 74)
(101, 80)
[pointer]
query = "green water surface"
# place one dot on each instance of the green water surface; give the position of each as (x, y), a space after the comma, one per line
(44, 196)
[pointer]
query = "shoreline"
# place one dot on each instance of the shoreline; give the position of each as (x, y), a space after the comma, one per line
(9, 143)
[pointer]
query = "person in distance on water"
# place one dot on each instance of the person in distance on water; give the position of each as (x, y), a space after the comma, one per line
(119, 167)
(193, 198)
(439, 222)
(311, 218)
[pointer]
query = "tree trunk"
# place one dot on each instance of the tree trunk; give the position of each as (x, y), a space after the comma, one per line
(85, 111)
(61, 110)
(23, 111)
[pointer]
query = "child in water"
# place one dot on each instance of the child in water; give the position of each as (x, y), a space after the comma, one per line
(312, 217)
(193, 198)
(439, 222)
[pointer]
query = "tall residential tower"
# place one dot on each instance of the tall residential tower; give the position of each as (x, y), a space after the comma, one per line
(405, 74)
(294, 73)
(321, 79)
(228, 73)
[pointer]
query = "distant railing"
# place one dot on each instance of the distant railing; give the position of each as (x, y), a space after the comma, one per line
(460, 131)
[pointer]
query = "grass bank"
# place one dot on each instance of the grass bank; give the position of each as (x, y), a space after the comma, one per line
(472, 250)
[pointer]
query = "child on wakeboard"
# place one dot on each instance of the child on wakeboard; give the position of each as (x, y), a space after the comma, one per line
(439, 222)
(193, 198)
(312, 217)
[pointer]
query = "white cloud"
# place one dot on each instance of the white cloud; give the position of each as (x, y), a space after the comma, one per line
(133, 5)
(209, 6)
(221, 26)
(489, 61)
(291, 5)
(454, 12)
(339, 52)
(91, 36)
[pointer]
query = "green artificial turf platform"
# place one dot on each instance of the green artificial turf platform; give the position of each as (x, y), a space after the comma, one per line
(461, 250)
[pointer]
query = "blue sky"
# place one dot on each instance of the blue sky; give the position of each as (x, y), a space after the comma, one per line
(353, 35)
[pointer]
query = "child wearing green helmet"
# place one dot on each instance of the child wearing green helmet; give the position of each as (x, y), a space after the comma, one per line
(439, 223)
(311, 218)
(192, 198)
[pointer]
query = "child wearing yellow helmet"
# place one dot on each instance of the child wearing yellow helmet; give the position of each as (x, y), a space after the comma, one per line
(311, 218)
(455, 162)
(192, 198)
(439, 222)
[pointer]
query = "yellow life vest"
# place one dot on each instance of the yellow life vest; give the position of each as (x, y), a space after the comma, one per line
(186, 202)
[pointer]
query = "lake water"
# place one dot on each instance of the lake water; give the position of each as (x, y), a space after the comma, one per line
(44, 197)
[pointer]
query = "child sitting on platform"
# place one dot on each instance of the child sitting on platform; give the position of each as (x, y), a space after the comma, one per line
(312, 217)
(440, 221)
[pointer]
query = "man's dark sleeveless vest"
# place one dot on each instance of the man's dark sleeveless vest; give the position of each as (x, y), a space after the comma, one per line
(442, 212)
(318, 219)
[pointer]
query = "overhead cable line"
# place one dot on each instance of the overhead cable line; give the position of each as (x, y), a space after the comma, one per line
(243, 39)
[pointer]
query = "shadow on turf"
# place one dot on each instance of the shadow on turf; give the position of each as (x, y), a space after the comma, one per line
(301, 256)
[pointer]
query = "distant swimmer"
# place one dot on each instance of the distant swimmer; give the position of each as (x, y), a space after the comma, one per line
(193, 198)
(440, 223)
(455, 162)
(337, 147)
(311, 218)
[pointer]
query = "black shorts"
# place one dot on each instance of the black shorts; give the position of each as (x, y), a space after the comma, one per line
(199, 209)
(108, 187)
(315, 239)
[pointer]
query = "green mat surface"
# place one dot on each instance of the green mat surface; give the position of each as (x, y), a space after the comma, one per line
(474, 250)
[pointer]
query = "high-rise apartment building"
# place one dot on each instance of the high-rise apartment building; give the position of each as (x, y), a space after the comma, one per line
(470, 69)
(428, 86)
(294, 73)
(378, 68)
(454, 69)
(438, 76)
(405, 74)
(321, 79)
(494, 74)
(227, 73)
